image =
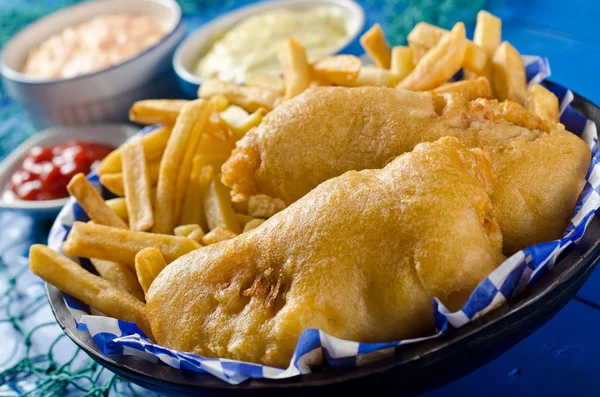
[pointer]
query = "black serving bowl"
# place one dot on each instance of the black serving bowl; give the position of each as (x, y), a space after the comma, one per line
(415, 369)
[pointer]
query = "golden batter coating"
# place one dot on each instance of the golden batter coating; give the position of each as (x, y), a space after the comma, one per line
(327, 131)
(359, 257)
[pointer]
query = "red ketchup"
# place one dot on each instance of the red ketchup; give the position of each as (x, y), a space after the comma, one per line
(46, 171)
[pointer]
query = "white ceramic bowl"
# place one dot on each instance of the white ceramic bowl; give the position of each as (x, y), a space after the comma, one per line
(112, 134)
(107, 94)
(199, 42)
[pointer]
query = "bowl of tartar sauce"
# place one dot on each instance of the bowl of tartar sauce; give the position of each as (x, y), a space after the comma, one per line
(91, 61)
(246, 41)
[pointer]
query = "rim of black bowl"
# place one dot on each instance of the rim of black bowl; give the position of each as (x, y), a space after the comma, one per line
(550, 293)
(15, 75)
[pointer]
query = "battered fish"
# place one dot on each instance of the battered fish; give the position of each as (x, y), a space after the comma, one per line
(359, 257)
(327, 131)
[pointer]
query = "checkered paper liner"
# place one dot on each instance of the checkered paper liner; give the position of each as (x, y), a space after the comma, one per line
(315, 347)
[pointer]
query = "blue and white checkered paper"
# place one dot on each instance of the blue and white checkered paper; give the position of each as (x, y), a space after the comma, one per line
(316, 348)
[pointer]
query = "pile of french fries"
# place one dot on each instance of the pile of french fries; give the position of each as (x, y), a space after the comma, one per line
(170, 198)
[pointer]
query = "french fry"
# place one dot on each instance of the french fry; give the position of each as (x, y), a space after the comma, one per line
(218, 209)
(488, 32)
(92, 203)
(295, 67)
(212, 145)
(89, 240)
(250, 98)
(241, 126)
(470, 89)
(374, 75)
(402, 63)
(262, 206)
(120, 276)
(217, 235)
(192, 209)
(253, 224)
(510, 82)
(440, 63)
(119, 206)
(183, 141)
(376, 46)
(154, 146)
(193, 232)
(241, 207)
(92, 290)
(428, 36)
(156, 111)
(234, 115)
(338, 69)
(220, 102)
(149, 262)
(114, 182)
(264, 80)
(418, 52)
(543, 103)
(186, 166)
(243, 218)
(136, 183)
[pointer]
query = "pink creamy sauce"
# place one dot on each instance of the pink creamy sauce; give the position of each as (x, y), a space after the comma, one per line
(102, 42)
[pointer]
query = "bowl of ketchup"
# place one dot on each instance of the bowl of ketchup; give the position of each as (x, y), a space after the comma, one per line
(34, 177)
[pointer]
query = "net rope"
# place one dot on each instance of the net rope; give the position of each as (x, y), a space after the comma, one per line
(42, 361)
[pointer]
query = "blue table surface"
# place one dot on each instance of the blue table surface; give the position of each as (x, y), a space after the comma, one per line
(561, 357)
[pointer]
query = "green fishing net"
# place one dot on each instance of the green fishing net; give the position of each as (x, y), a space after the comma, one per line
(36, 358)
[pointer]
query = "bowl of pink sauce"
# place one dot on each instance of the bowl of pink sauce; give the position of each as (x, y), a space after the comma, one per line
(91, 61)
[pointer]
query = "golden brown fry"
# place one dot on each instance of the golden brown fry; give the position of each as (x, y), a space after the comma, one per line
(424, 35)
(376, 46)
(154, 146)
(253, 224)
(241, 207)
(113, 182)
(92, 290)
(337, 69)
(402, 62)
(374, 75)
(120, 276)
(262, 206)
(250, 98)
(440, 63)
(265, 80)
(295, 67)
(243, 126)
(509, 79)
(217, 235)
(418, 52)
(470, 89)
(149, 262)
(192, 209)
(220, 101)
(543, 103)
(243, 218)
(488, 32)
(156, 111)
(193, 232)
(119, 206)
(89, 240)
(92, 203)
(136, 183)
(185, 134)
(186, 166)
(217, 205)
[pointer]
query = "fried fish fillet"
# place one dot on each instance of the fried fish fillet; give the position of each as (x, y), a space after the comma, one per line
(359, 257)
(327, 131)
